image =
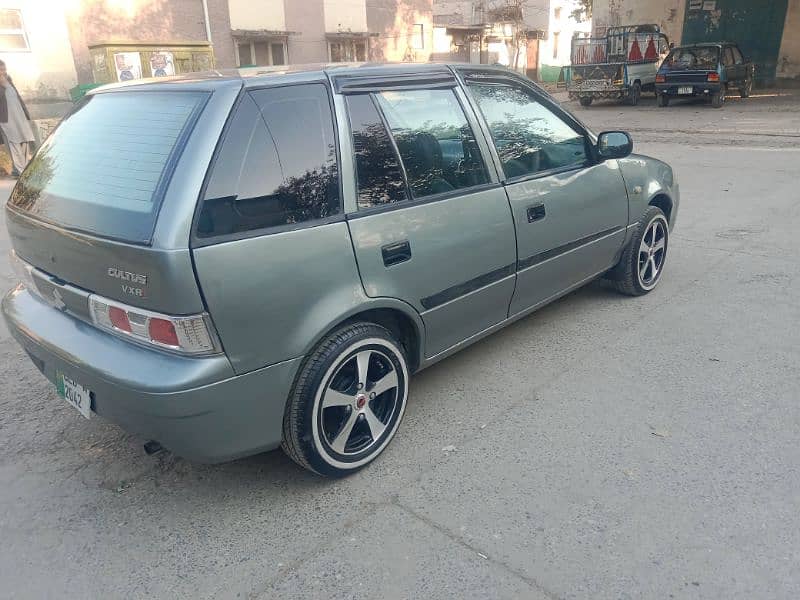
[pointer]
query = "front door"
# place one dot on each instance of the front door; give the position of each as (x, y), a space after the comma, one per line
(570, 211)
(432, 225)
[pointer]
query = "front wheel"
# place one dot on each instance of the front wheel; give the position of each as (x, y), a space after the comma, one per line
(663, 100)
(746, 89)
(585, 100)
(642, 263)
(348, 401)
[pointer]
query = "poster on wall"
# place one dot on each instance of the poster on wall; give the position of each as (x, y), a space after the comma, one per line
(129, 66)
(162, 64)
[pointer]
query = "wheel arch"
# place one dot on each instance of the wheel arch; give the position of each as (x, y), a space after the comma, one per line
(664, 202)
(399, 318)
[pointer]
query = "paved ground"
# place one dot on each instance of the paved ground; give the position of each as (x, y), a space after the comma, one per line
(605, 447)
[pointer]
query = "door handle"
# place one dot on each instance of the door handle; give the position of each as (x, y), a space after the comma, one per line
(394, 254)
(536, 213)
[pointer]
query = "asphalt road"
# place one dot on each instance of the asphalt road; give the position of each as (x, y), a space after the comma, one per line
(605, 447)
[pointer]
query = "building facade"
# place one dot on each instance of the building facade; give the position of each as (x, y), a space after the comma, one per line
(506, 32)
(51, 46)
(767, 31)
(555, 49)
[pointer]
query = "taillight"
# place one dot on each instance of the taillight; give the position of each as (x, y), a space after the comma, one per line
(713, 77)
(187, 335)
(119, 319)
(660, 78)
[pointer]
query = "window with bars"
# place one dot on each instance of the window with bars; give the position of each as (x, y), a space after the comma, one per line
(12, 31)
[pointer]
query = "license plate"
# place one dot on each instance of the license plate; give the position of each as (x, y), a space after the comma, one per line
(685, 89)
(74, 393)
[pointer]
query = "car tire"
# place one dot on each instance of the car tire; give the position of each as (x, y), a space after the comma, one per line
(586, 100)
(635, 94)
(717, 100)
(663, 100)
(746, 89)
(639, 270)
(347, 402)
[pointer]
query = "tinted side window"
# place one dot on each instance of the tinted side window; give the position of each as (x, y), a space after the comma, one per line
(277, 165)
(528, 136)
(380, 180)
(436, 143)
(737, 55)
(728, 57)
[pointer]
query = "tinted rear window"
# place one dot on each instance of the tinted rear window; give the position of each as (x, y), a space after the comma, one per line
(105, 168)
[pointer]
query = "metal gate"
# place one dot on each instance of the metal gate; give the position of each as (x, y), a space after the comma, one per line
(756, 26)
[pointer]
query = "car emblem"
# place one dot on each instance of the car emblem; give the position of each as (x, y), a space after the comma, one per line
(58, 301)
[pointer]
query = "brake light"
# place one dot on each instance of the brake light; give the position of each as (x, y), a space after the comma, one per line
(187, 335)
(660, 78)
(119, 319)
(713, 77)
(163, 332)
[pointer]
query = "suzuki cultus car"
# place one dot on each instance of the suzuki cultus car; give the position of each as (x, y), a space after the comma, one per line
(232, 263)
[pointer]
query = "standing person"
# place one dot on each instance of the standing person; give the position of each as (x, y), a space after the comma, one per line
(15, 122)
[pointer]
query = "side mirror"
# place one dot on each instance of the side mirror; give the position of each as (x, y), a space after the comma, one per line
(614, 144)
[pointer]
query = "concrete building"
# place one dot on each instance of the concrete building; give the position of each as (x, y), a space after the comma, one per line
(46, 43)
(554, 50)
(768, 31)
(506, 32)
(279, 31)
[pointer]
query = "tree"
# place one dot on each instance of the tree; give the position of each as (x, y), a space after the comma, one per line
(511, 12)
(584, 10)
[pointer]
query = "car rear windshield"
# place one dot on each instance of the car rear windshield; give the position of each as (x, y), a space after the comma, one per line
(693, 58)
(105, 168)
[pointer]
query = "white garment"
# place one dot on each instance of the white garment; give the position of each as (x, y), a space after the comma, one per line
(18, 129)
(19, 154)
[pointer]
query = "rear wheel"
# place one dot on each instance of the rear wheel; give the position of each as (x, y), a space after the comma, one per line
(718, 99)
(348, 401)
(663, 100)
(635, 94)
(585, 100)
(746, 89)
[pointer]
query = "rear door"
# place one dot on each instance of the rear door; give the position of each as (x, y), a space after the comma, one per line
(271, 246)
(570, 211)
(432, 225)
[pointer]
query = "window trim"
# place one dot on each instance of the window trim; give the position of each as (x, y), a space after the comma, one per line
(23, 31)
(196, 241)
(411, 198)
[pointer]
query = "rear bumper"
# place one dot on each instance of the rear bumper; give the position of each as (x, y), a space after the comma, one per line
(195, 407)
(698, 89)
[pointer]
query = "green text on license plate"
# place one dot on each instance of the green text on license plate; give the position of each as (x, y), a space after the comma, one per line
(74, 393)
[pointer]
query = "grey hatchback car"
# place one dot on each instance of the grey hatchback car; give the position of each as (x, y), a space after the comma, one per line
(230, 263)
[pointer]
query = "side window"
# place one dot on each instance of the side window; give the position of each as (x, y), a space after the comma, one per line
(380, 179)
(737, 55)
(728, 60)
(268, 173)
(529, 138)
(436, 143)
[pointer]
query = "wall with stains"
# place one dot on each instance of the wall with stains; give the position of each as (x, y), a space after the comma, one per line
(404, 30)
(44, 72)
(789, 54)
(667, 14)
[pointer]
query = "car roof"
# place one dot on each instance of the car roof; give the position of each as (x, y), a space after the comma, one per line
(706, 45)
(259, 76)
